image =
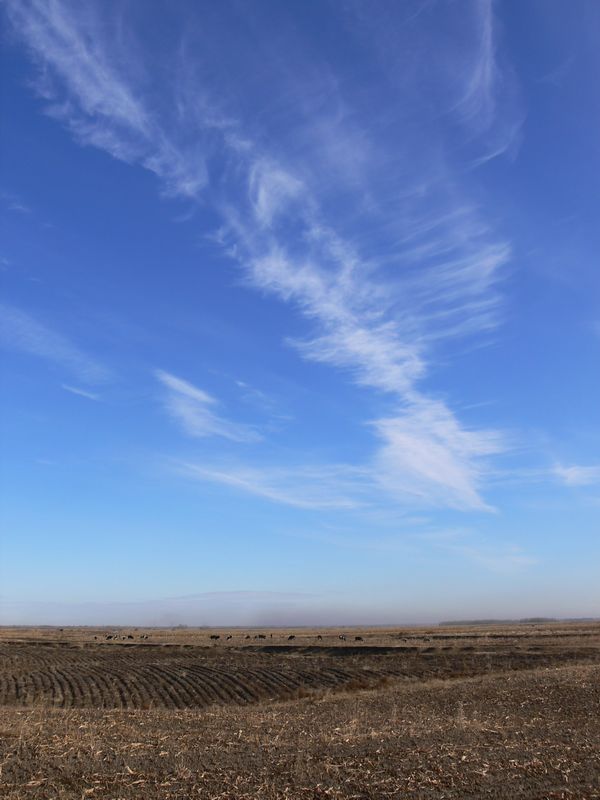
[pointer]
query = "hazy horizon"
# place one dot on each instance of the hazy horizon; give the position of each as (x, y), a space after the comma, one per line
(244, 610)
(300, 315)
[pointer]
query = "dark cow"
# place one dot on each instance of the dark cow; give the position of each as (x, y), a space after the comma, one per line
(247, 636)
(130, 636)
(108, 637)
(214, 636)
(291, 637)
(229, 637)
(341, 637)
(358, 639)
(261, 636)
(320, 638)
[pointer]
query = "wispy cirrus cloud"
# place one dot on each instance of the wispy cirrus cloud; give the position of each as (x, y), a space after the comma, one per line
(501, 559)
(423, 267)
(86, 88)
(578, 474)
(20, 332)
(195, 411)
(494, 556)
(425, 458)
(427, 453)
(76, 390)
(331, 487)
(13, 203)
(477, 105)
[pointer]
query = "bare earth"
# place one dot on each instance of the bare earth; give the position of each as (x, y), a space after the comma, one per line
(466, 712)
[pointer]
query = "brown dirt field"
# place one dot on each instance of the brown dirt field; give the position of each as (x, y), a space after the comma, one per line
(452, 713)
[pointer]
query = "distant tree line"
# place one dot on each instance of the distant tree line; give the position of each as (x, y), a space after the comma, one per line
(505, 621)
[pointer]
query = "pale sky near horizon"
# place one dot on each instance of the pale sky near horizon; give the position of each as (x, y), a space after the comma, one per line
(300, 317)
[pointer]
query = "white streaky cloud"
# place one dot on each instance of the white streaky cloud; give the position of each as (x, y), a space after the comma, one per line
(502, 556)
(426, 457)
(311, 488)
(80, 392)
(365, 320)
(460, 61)
(265, 404)
(490, 91)
(271, 190)
(179, 386)
(578, 475)
(22, 333)
(495, 559)
(422, 267)
(428, 454)
(478, 101)
(375, 355)
(193, 409)
(13, 203)
(84, 80)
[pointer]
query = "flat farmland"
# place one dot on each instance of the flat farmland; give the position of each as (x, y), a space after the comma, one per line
(498, 711)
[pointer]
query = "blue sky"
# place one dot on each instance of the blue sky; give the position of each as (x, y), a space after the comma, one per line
(300, 318)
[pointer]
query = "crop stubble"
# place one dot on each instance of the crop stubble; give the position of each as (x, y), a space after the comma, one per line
(454, 715)
(138, 677)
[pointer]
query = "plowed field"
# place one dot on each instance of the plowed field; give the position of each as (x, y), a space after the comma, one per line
(137, 676)
(422, 714)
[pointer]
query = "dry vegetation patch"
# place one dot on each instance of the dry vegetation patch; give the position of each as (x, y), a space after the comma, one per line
(499, 721)
(531, 734)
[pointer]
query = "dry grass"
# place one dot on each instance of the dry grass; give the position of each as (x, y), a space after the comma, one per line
(530, 732)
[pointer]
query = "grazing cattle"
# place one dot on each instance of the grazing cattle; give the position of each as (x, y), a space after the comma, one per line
(358, 639)
(130, 636)
(95, 637)
(261, 636)
(108, 637)
(247, 636)
(291, 637)
(341, 637)
(214, 636)
(229, 637)
(320, 638)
